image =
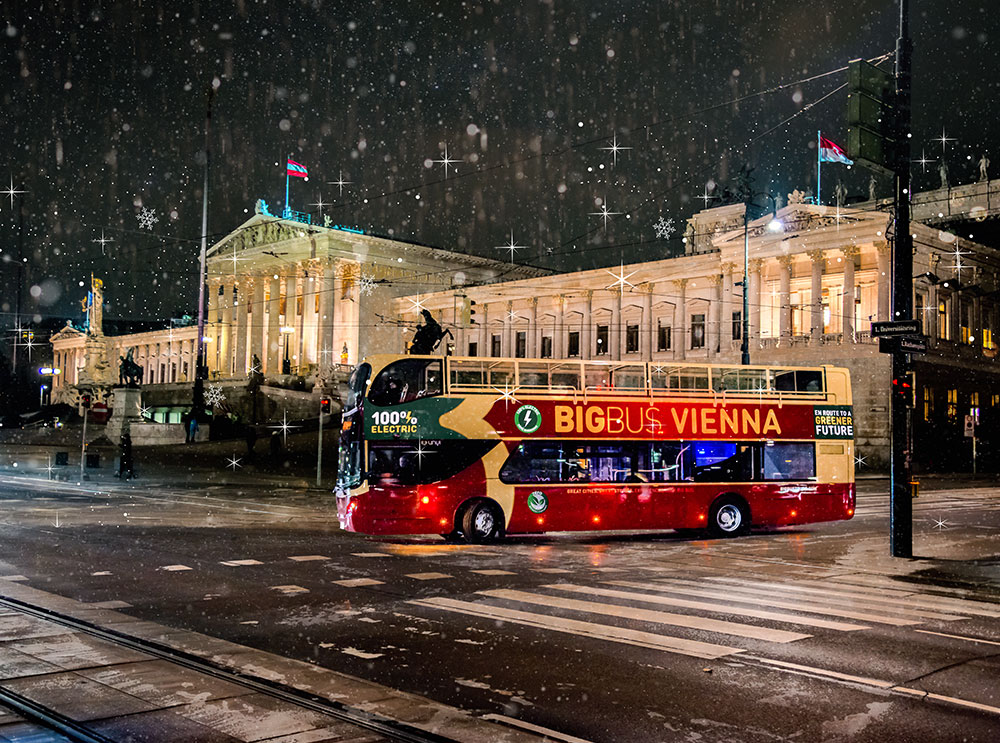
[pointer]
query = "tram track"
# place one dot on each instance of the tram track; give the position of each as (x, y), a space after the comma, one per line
(391, 729)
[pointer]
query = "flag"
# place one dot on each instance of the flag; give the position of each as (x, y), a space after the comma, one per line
(829, 152)
(297, 170)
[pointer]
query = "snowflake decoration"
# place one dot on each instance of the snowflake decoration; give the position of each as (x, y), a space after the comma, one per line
(940, 524)
(860, 461)
(664, 228)
(366, 285)
(147, 218)
(234, 462)
(214, 395)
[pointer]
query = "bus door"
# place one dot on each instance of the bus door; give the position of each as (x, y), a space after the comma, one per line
(621, 495)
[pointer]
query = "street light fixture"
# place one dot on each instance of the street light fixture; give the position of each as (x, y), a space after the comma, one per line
(774, 226)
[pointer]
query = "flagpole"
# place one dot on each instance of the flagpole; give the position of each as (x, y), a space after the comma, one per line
(286, 186)
(819, 163)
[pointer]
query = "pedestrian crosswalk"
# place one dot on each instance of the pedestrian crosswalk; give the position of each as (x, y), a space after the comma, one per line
(660, 614)
(932, 503)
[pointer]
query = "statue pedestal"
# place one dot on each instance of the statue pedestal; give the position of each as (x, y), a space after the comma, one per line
(125, 406)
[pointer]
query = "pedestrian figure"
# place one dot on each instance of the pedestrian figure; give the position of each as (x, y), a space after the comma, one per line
(192, 429)
(984, 164)
(251, 439)
(943, 172)
(275, 445)
(125, 467)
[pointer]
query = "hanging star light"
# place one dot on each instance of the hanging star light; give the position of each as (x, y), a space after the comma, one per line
(614, 149)
(12, 192)
(511, 246)
(340, 183)
(944, 139)
(102, 241)
(605, 213)
(446, 161)
(506, 394)
(621, 279)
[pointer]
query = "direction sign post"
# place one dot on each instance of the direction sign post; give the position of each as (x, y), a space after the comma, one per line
(889, 328)
(903, 344)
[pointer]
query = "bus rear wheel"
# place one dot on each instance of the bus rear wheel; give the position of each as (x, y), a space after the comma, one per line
(729, 517)
(482, 522)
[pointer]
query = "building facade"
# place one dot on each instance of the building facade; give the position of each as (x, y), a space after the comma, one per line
(815, 287)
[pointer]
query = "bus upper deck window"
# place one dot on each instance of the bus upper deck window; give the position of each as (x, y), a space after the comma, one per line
(406, 380)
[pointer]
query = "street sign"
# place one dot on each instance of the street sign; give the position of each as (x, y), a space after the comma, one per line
(888, 328)
(903, 344)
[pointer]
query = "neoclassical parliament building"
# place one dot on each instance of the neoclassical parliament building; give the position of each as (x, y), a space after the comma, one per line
(295, 300)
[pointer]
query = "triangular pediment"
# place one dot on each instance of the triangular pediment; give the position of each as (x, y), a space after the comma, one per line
(795, 218)
(68, 332)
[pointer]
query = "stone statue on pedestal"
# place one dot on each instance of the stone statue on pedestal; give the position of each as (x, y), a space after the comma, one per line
(129, 372)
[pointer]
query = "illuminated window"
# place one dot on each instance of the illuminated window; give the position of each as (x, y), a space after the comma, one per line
(918, 312)
(965, 318)
(952, 404)
(943, 325)
(994, 400)
(928, 403)
(988, 341)
(602, 340)
(631, 339)
(663, 337)
(974, 406)
(698, 331)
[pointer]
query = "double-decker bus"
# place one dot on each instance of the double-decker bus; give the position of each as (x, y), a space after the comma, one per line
(478, 447)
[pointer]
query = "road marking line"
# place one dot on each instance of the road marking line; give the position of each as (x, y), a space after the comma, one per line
(428, 576)
(646, 615)
(357, 582)
(13, 578)
(549, 733)
(174, 568)
(102, 572)
(898, 605)
(551, 570)
(308, 558)
(493, 572)
(958, 637)
(371, 554)
(239, 563)
(878, 683)
(719, 608)
(801, 606)
(290, 590)
(695, 648)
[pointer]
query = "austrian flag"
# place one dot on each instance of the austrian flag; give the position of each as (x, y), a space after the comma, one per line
(299, 171)
(829, 152)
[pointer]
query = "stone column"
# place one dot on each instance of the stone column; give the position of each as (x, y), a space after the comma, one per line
(226, 326)
(212, 327)
(715, 316)
(559, 333)
(484, 331)
(816, 296)
(310, 326)
(848, 309)
(244, 293)
(273, 348)
(587, 331)
(956, 317)
(506, 337)
(257, 321)
(533, 351)
(286, 341)
(646, 330)
(756, 289)
(680, 319)
(303, 293)
(976, 329)
(884, 278)
(728, 308)
(785, 296)
(930, 318)
(615, 331)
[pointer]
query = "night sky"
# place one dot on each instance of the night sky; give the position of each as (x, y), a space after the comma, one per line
(104, 104)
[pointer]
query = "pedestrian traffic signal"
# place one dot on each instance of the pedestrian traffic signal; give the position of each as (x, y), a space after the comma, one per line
(904, 389)
(467, 311)
(325, 405)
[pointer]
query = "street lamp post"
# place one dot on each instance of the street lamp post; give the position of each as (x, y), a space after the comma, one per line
(773, 226)
(286, 363)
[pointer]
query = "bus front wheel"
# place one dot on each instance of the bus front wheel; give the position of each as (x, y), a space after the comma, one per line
(482, 522)
(729, 517)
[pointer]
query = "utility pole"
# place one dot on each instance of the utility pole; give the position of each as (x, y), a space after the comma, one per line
(201, 367)
(900, 498)
(20, 281)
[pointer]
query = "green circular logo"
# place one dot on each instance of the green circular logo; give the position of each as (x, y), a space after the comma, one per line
(537, 501)
(527, 419)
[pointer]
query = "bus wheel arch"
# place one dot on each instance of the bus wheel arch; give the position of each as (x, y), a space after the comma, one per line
(480, 520)
(729, 516)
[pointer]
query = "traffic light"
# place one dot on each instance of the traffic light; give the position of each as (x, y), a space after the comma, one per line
(85, 402)
(904, 389)
(325, 405)
(467, 311)
(871, 117)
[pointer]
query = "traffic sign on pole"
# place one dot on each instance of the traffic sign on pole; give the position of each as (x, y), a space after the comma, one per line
(903, 344)
(888, 328)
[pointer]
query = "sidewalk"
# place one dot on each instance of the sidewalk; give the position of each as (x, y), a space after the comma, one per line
(126, 692)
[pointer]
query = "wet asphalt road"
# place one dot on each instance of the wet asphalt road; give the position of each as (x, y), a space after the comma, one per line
(810, 634)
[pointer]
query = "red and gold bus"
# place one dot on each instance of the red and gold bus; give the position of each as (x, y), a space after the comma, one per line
(479, 447)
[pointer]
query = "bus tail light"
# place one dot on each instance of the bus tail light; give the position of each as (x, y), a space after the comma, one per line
(443, 522)
(541, 520)
(425, 500)
(353, 507)
(701, 517)
(794, 513)
(596, 519)
(850, 511)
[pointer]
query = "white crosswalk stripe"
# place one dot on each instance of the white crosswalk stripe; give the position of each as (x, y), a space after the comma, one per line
(689, 621)
(719, 608)
(623, 635)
